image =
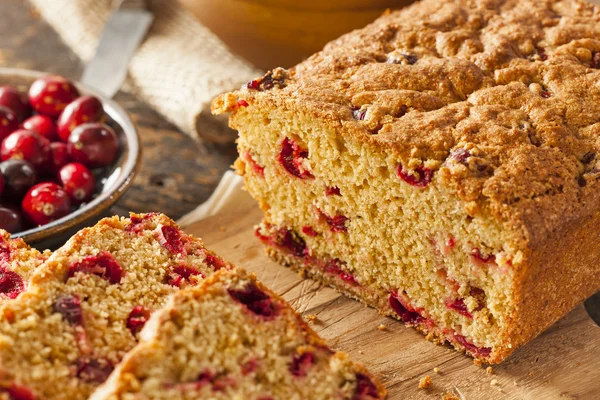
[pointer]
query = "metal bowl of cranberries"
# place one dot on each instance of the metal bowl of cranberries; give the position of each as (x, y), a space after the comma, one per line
(67, 154)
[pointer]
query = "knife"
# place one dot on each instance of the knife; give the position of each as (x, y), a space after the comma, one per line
(123, 33)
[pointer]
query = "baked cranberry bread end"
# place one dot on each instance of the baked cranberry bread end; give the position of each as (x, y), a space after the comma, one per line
(440, 164)
(85, 306)
(232, 338)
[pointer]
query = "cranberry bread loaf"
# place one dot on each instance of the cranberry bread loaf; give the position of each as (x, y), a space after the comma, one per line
(232, 338)
(85, 305)
(17, 263)
(440, 165)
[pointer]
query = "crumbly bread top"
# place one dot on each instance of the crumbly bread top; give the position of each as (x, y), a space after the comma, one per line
(86, 304)
(499, 98)
(232, 338)
(18, 261)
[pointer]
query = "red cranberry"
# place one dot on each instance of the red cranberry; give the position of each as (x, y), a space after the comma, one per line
(359, 113)
(460, 307)
(42, 125)
(19, 392)
(249, 366)
(45, 202)
(50, 95)
(476, 254)
(59, 157)
(18, 177)
(77, 181)
(171, 238)
(11, 98)
(301, 364)
(93, 370)
(421, 178)
(332, 191)
(365, 388)
(291, 157)
(137, 319)
(290, 241)
(336, 223)
(138, 223)
(11, 284)
(308, 230)
(215, 262)
(10, 220)
(334, 267)
(180, 274)
(256, 167)
(255, 300)
(471, 348)
(8, 122)
(408, 316)
(460, 155)
(70, 308)
(103, 265)
(242, 103)
(84, 109)
(26, 145)
(93, 144)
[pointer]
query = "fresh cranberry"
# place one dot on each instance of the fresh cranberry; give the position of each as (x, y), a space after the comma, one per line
(421, 178)
(476, 254)
(70, 308)
(215, 262)
(471, 348)
(291, 157)
(408, 316)
(255, 300)
(59, 157)
(308, 230)
(242, 103)
(365, 388)
(93, 370)
(171, 238)
(42, 125)
(26, 145)
(336, 223)
(256, 167)
(45, 202)
(93, 144)
(137, 319)
(8, 122)
(460, 155)
(332, 191)
(179, 274)
(249, 366)
(11, 284)
(290, 241)
(18, 177)
(103, 265)
(301, 364)
(11, 98)
(460, 307)
(77, 181)
(19, 392)
(84, 109)
(334, 267)
(50, 95)
(10, 220)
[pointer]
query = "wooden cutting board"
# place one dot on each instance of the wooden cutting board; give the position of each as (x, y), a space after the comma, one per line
(563, 363)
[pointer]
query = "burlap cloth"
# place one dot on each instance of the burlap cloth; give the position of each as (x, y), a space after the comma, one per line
(178, 70)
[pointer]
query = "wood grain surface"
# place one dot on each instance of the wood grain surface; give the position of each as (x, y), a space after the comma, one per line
(176, 174)
(562, 363)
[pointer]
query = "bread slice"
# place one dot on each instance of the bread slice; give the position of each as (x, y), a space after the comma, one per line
(232, 338)
(85, 305)
(18, 261)
(441, 165)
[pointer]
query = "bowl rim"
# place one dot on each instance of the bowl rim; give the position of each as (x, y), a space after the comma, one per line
(104, 200)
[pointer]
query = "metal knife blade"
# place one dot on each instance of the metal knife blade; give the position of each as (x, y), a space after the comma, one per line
(592, 306)
(122, 35)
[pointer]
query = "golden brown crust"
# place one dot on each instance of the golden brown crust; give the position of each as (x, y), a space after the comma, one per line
(513, 82)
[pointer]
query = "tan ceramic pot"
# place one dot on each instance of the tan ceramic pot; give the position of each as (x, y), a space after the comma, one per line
(271, 33)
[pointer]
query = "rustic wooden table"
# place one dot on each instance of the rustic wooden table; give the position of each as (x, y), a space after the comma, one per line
(176, 173)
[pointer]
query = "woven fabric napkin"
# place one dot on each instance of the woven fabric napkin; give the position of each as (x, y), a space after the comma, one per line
(179, 68)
